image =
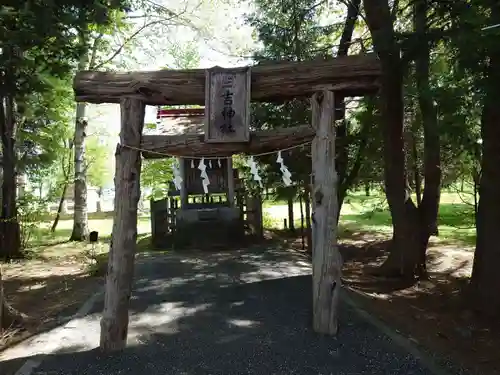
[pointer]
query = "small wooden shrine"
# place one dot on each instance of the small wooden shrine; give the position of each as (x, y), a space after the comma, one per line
(218, 215)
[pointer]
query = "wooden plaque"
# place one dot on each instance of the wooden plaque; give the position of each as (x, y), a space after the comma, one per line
(227, 105)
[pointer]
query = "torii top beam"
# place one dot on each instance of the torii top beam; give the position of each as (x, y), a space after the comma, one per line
(355, 75)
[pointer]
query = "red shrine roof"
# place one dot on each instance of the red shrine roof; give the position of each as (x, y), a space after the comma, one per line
(180, 121)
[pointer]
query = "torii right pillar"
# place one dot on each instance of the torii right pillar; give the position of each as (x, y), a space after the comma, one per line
(326, 259)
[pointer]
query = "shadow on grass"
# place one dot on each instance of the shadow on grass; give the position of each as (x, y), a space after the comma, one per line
(456, 223)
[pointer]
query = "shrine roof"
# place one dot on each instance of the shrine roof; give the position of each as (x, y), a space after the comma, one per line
(180, 121)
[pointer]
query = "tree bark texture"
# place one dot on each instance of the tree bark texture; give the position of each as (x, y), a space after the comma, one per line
(274, 81)
(114, 322)
(404, 252)
(327, 263)
(10, 233)
(429, 207)
(485, 275)
(291, 218)
(99, 200)
(60, 208)
(80, 217)
(307, 209)
(9, 317)
(341, 139)
(157, 146)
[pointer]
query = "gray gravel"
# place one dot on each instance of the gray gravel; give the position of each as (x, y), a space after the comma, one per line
(245, 312)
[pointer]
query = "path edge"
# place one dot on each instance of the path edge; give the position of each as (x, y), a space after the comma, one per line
(350, 296)
(33, 363)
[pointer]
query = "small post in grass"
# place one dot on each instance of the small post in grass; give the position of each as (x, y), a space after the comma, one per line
(93, 238)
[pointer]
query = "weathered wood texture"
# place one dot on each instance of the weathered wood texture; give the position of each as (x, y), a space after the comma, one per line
(156, 146)
(327, 262)
(351, 75)
(227, 105)
(114, 322)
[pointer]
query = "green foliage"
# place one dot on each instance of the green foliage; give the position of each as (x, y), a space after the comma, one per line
(156, 176)
(287, 30)
(31, 212)
(100, 169)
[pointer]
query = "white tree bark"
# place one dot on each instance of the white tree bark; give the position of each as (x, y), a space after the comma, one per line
(80, 218)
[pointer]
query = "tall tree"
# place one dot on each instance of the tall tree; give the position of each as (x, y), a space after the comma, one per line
(292, 30)
(404, 255)
(485, 276)
(429, 205)
(37, 40)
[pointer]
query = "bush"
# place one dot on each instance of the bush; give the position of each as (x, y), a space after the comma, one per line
(31, 212)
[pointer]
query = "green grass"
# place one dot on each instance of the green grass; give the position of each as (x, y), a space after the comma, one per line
(42, 243)
(370, 214)
(360, 214)
(101, 222)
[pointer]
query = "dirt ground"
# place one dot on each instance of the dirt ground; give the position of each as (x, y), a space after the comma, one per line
(51, 285)
(434, 314)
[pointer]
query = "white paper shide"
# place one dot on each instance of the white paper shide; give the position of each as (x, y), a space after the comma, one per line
(285, 173)
(204, 177)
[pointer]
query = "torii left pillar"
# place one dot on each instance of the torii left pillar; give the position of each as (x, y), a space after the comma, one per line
(114, 322)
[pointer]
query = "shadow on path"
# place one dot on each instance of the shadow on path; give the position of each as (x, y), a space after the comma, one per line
(243, 312)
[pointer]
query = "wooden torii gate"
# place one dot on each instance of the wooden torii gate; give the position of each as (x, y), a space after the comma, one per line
(321, 80)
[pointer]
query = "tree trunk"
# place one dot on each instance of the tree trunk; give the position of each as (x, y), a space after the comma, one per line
(404, 251)
(291, 219)
(59, 208)
(327, 263)
(416, 170)
(21, 185)
(485, 276)
(9, 317)
(352, 174)
(307, 208)
(99, 200)
(342, 144)
(80, 217)
(114, 322)
(10, 233)
(301, 221)
(429, 207)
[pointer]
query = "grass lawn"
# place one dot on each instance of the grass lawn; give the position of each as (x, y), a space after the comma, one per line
(361, 214)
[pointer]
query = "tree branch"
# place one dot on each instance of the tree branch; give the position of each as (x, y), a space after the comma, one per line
(131, 37)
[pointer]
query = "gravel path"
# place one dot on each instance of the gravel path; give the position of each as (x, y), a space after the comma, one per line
(244, 312)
